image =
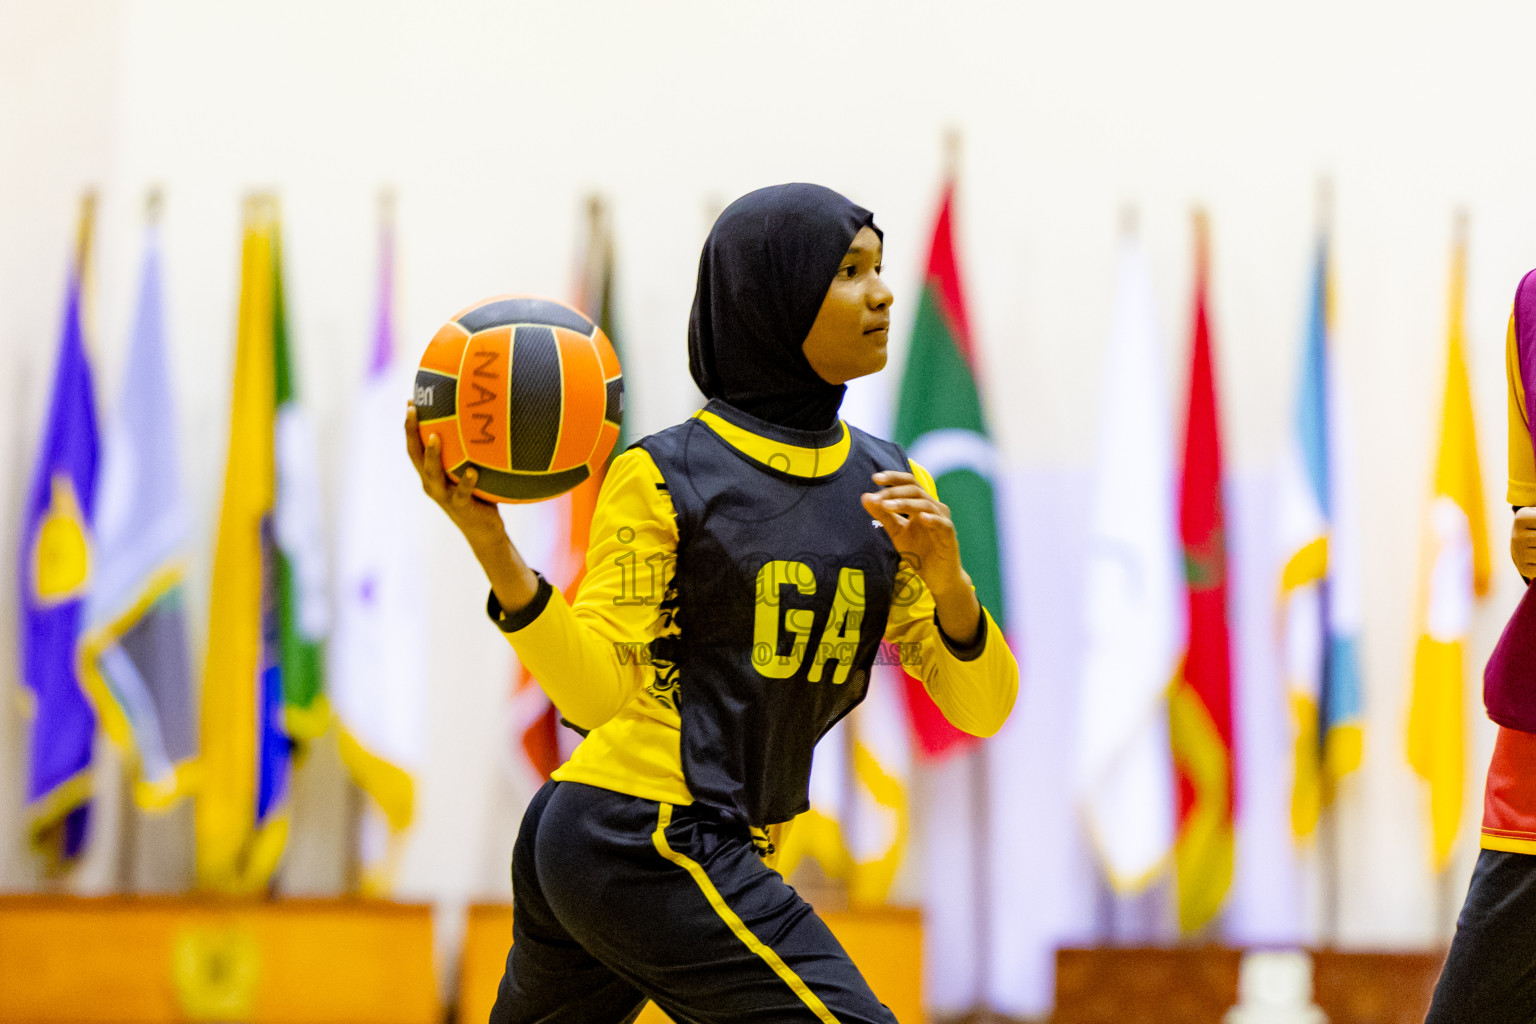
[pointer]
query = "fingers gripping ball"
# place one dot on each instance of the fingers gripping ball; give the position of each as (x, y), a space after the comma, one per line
(527, 391)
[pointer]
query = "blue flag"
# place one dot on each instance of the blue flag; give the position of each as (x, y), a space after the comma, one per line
(55, 574)
(135, 659)
(1321, 601)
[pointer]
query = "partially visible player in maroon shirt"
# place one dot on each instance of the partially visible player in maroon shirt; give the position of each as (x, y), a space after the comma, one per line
(1490, 974)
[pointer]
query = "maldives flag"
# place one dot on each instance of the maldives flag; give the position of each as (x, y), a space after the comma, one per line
(1204, 757)
(940, 423)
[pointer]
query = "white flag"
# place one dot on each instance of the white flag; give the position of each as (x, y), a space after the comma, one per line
(378, 653)
(1134, 614)
(135, 661)
(879, 827)
(860, 821)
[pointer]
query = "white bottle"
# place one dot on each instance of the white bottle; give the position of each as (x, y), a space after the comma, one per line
(1275, 987)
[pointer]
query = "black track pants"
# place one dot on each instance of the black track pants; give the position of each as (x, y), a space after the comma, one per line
(1490, 974)
(617, 900)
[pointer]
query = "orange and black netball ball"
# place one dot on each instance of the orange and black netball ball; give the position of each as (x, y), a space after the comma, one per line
(526, 390)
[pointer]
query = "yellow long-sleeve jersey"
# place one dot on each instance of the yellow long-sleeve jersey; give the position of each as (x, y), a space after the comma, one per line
(597, 661)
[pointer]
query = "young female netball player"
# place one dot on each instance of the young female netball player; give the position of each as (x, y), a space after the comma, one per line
(1490, 974)
(755, 554)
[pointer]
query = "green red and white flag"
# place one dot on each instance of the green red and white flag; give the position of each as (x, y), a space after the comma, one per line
(1200, 713)
(941, 423)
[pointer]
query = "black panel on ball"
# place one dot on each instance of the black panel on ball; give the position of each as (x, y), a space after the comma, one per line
(535, 405)
(525, 311)
(434, 396)
(614, 413)
(524, 487)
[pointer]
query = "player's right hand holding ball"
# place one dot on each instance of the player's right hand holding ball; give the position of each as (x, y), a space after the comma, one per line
(478, 520)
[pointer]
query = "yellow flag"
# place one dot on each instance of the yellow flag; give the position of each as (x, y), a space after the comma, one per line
(1455, 572)
(859, 822)
(881, 798)
(238, 843)
(818, 833)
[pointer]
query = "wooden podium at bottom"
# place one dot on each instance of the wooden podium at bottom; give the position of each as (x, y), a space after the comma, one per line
(887, 945)
(164, 960)
(1199, 984)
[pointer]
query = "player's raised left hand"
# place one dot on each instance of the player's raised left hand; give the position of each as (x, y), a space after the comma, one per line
(920, 526)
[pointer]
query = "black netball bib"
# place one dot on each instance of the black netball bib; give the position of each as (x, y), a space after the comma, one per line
(781, 592)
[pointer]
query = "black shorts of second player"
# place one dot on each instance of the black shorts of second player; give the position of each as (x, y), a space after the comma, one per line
(1490, 974)
(617, 900)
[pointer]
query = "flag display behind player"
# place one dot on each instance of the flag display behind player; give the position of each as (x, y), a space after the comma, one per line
(136, 659)
(262, 684)
(55, 559)
(1320, 584)
(1134, 613)
(541, 744)
(1204, 752)
(941, 424)
(379, 668)
(1455, 573)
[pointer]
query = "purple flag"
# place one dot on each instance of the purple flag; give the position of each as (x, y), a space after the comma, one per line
(55, 573)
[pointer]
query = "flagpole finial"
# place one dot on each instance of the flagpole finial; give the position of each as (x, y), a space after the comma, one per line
(713, 207)
(260, 204)
(1130, 220)
(952, 146)
(87, 226)
(1202, 222)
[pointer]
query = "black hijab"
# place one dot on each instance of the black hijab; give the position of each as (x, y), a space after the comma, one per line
(764, 272)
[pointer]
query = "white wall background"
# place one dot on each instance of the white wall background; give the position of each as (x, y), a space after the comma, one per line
(493, 119)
